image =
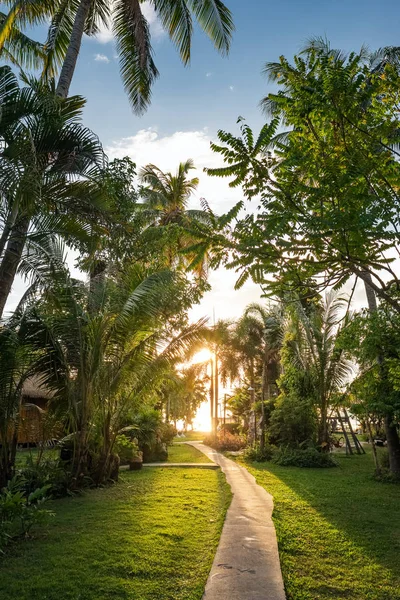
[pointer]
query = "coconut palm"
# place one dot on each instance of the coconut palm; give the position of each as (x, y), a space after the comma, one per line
(165, 201)
(272, 321)
(314, 351)
(48, 164)
(102, 361)
(72, 18)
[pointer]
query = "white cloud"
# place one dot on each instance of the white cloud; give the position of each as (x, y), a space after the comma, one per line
(231, 87)
(101, 58)
(208, 74)
(157, 31)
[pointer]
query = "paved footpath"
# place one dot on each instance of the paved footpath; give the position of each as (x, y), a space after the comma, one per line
(246, 565)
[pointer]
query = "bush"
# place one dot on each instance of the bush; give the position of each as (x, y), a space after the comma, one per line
(49, 473)
(167, 432)
(307, 458)
(293, 422)
(19, 510)
(258, 454)
(126, 449)
(233, 428)
(226, 442)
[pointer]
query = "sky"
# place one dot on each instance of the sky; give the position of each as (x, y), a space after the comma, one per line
(190, 104)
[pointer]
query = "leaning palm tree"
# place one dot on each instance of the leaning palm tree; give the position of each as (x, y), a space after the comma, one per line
(71, 19)
(48, 164)
(165, 203)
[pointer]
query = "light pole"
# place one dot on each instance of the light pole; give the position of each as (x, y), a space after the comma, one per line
(253, 420)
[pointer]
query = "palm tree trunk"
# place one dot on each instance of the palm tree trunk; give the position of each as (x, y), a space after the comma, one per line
(71, 57)
(11, 260)
(392, 436)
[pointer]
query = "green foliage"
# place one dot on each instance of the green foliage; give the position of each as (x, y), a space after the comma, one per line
(258, 454)
(293, 421)
(315, 371)
(126, 448)
(329, 193)
(131, 30)
(373, 339)
(302, 457)
(47, 473)
(20, 510)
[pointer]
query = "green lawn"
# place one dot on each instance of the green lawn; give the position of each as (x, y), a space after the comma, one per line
(185, 453)
(151, 537)
(338, 530)
(192, 436)
(24, 453)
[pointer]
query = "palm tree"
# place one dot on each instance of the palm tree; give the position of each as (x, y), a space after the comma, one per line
(102, 361)
(314, 350)
(272, 321)
(48, 168)
(71, 19)
(166, 197)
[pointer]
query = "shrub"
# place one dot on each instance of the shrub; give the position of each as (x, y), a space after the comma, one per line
(49, 473)
(292, 422)
(233, 428)
(19, 510)
(126, 449)
(258, 454)
(226, 442)
(297, 457)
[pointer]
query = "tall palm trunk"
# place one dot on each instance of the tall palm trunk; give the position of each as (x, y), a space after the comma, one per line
(392, 436)
(71, 57)
(11, 260)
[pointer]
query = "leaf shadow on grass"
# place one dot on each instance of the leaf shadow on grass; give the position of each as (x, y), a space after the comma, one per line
(338, 530)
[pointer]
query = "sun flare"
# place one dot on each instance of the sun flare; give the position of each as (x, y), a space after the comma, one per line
(204, 355)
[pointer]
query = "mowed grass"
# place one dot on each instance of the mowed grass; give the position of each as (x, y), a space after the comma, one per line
(192, 436)
(184, 453)
(338, 530)
(153, 536)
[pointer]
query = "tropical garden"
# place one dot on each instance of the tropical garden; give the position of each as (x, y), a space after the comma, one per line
(114, 351)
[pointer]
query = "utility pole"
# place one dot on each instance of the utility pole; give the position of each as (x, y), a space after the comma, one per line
(212, 396)
(216, 389)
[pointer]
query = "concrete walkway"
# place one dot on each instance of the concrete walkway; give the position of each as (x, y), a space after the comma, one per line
(246, 565)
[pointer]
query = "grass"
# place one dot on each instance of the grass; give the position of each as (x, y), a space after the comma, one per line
(192, 436)
(338, 530)
(23, 454)
(150, 537)
(185, 453)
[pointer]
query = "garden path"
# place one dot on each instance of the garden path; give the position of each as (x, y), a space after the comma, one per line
(246, 565)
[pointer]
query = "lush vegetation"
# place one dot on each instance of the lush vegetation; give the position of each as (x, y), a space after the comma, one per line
(338, 530)
(328, 216)
(139, 538)
(112, 351)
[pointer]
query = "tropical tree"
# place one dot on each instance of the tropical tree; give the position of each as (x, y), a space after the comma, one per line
(48, 165)
(185, 393)
(71, 20)
(165, 202)
(316, 369)
(329, 194)
(373, 339)
(102, 361)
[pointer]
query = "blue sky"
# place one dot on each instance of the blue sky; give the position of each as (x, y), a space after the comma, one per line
(190, 104)
(186, 98)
